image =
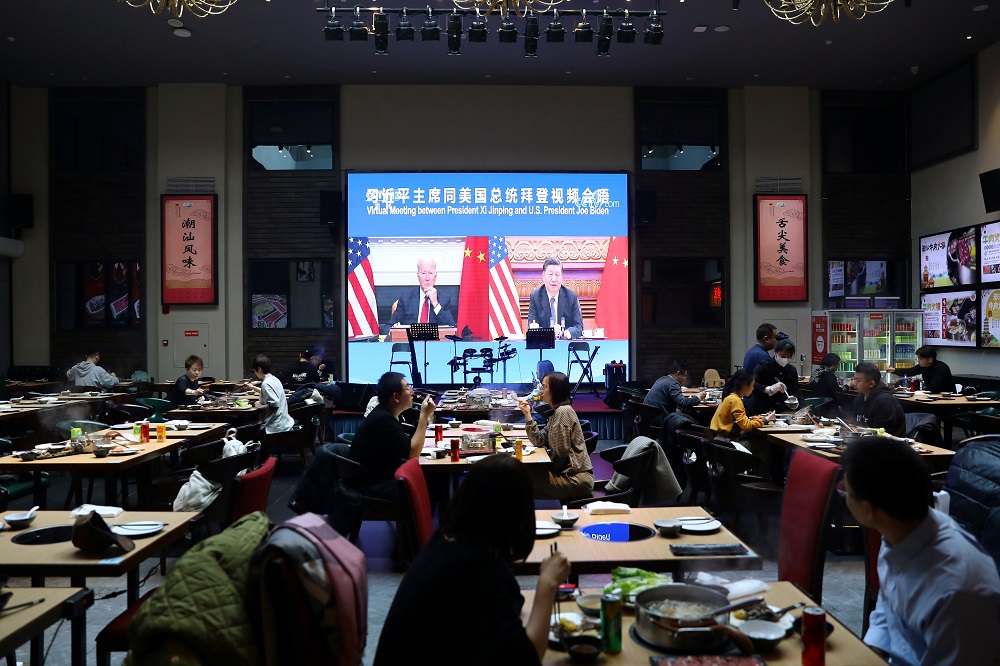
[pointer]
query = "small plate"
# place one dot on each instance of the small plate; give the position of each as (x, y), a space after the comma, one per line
(544, 528)
(698, 525)
(125, 452)
(122, 426)
(984, 397)
(928, 399)
(138, 529)
(571, 616)
(199, 426)
(823, 439)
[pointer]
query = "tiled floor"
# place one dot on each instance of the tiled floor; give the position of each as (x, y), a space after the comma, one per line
(842, 588)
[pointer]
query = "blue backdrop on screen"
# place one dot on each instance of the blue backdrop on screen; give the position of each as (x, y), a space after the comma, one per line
(513, 203)
(480, 240)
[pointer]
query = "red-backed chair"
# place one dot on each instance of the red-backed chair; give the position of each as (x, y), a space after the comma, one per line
(873, 543)
(414, 487)
(114, 636)
(252, 489)
(802, 544)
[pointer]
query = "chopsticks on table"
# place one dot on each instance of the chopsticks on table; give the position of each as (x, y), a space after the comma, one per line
(553, 549)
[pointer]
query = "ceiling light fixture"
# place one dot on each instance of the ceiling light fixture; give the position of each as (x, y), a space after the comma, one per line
(334, 29)
(626, 31)
(478, 31)
(604, 33)
(404, 29)
(531, 36)
(798, 12)
(584, 32)
(507, 31)
(430, 32)
(381, 24)
(555, 32)
(454, 34)
(200, 8)
(358, 31)
(505, 7)
(654, 30)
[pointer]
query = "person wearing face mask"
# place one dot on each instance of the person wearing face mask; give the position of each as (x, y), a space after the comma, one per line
(773, 378)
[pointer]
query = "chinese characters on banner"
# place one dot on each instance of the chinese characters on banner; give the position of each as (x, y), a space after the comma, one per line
(780, 248)
(189, 249)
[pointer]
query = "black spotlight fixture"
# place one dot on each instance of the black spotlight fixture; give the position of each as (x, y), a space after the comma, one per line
(531, 36)
(584, 32)
(431, 32)
(404, 29)
(358, 31)
(654, 30)
(507, 31)
(626, 31)
(477, 31)
(736, 5)
(334, 29)
(604, 34)
(381, 22)
(555, 32)
(455, 34)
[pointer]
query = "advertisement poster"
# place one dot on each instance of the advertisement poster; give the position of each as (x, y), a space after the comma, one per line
(991, 252)
(991, 318)
(780, 243)
(951, 319)
(949, 259)
(874, 277)
(820, 339)
(836, 278)
(189, 249)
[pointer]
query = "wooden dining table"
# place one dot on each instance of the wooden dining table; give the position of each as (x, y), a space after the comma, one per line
(42, 561)
(593, 556)
(938, 458)
(111, 467)
(843, 648)
(19, 626)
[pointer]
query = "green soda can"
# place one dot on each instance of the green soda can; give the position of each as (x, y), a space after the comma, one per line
(611, 623)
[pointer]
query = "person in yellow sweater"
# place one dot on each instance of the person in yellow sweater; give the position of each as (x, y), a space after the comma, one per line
(731, 411)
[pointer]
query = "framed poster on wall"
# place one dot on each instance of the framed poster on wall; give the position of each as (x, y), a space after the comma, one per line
(780, 248)
(189, 235)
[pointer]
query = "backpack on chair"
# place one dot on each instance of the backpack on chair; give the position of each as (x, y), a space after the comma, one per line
(307, 593)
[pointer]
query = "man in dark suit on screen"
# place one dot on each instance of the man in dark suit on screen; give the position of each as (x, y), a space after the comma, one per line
(422, 305)
(552, 298)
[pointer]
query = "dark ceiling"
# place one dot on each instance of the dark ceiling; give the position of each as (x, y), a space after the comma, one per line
(107, 43)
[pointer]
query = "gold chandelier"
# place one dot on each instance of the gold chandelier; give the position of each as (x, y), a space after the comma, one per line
(506, 7)
(200, 8)
(816, 11)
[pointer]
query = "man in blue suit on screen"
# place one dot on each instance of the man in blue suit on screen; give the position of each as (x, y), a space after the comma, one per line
(422, 305)
(554, 305)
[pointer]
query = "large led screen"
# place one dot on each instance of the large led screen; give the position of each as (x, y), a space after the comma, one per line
(951, 319)
(949, 259)
(989, 263)
(485, 256)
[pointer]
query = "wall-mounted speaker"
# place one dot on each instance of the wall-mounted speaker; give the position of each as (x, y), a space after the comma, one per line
(331, 208)
(21, 210)
(990, 182)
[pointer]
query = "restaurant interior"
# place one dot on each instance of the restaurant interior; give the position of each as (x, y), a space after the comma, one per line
(705, 124)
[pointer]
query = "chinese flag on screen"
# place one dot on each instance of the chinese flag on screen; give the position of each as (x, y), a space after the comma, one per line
(612, 299)
(474, 294)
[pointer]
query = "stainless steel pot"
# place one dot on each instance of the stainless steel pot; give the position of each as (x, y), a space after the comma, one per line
(688, 636)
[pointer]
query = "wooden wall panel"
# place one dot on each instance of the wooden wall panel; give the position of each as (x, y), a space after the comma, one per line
(866, 216)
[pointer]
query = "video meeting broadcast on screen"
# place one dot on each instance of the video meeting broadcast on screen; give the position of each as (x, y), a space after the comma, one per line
(489, 260)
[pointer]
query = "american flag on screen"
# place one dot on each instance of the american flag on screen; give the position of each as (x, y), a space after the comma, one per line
(505, 315)
(362, 317)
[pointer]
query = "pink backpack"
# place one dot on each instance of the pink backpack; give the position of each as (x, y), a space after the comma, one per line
(304, 613)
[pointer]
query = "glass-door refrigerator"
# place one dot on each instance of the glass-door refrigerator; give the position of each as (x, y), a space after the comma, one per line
(884, 338)
(908, 333)
(843, 339)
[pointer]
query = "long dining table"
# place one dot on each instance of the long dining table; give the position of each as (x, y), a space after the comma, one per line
(843, 648)
(938, 458)
(111, 467)
(590, 556)
(40, 561)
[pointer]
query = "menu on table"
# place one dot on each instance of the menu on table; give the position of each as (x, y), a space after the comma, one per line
(991, 318)
(991, 252)
(951, 318)
(949, 259)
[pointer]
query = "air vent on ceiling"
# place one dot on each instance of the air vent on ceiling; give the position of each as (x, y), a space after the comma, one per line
(191, 185)
(772, 185)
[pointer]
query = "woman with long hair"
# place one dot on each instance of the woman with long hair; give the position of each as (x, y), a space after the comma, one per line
(731, 412)
(461, 583)
(571, 475)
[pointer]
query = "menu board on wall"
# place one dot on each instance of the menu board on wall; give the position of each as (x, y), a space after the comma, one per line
(949, 259)
(990, 261)
(951, 319)
(991, 318)
(780, 242)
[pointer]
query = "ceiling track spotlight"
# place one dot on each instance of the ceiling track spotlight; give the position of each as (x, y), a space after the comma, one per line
(584, 31)
(555, 32)
(626, 31)
(477, 31)
(507, 31)
(380, 23)
(404, 29)
(358, 31)
(531, 36)
(431, 32)
(454, 34)
(334, 29)
(654, 30)
(605, 32)
(736, 5)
